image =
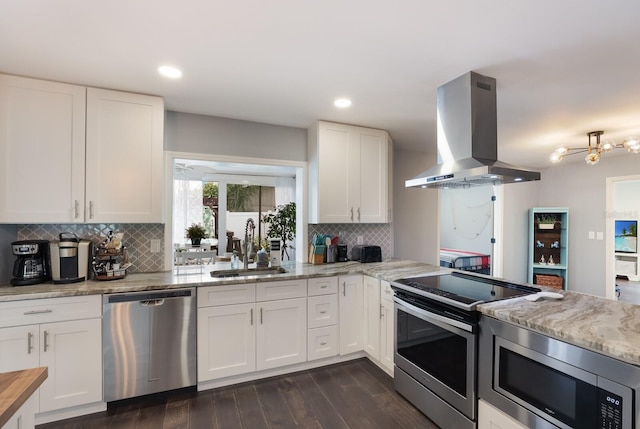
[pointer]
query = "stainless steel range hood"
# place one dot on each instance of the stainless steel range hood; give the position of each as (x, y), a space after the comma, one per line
(467, 138)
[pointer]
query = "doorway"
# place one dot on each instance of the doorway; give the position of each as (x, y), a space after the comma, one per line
(623, 204)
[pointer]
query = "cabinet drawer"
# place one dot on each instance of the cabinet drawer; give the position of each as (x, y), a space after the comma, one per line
(34, 311)
(386, 292)
(322, 310)
(226, 294)
(322, 342)
(322, 286)
(270, 291)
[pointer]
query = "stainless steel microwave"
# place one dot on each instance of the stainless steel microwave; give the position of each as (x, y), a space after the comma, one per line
(546, 383)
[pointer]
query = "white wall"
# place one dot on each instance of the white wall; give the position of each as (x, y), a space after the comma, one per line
(517, 199)
(415, 210)
(466, 219)
(187, 132)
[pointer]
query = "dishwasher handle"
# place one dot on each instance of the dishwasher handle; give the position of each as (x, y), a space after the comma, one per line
(148, 299)
(151, 302)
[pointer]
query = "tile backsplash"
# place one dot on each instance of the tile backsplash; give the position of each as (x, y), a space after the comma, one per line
(136, 239)
(378, 234)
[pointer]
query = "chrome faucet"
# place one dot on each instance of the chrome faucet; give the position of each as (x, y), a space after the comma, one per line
(246, 245)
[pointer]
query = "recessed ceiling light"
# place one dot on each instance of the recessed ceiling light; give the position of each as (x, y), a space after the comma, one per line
(342, 103)
(170, 72)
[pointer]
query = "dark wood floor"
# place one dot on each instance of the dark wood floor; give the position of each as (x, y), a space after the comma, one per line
(355, 394)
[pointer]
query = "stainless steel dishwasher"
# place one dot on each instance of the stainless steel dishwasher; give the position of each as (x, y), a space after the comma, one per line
(149, 342)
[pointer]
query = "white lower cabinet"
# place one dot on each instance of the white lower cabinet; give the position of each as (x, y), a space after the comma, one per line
(379, 324)
(490, 417)
(282, 333)
(24, 417)
(237, 335)
(71, 349)
(226, 341)
(388, 327)
(322, 318)
(350, 303)
(373, 315)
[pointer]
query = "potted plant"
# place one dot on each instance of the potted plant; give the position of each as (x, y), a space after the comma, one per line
(196, 233)
(547, 221)
(282, 225)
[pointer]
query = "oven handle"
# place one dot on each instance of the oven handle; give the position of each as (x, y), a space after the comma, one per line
(426, 315)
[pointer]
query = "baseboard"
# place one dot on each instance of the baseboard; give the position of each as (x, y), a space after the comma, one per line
(252, 376)
(67, 413)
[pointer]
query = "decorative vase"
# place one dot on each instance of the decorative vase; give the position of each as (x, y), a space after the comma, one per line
(195, 242)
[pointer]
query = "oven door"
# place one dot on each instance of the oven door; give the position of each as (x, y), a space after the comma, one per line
(438, 352)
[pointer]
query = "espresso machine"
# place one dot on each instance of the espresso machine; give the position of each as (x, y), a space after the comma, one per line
(70, 257)
(32, 264)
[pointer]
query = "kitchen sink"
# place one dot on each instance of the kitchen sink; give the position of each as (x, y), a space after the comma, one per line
(245, 272)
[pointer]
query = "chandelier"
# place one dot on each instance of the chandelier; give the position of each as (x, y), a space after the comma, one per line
(594, 151)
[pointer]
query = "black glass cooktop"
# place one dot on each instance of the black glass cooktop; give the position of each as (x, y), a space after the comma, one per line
(463, 290)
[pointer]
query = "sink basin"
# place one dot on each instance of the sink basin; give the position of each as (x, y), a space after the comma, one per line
(242, 272)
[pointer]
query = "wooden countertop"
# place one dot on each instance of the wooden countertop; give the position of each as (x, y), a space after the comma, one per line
(16, 387)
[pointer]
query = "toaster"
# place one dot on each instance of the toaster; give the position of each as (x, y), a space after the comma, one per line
(366, 253)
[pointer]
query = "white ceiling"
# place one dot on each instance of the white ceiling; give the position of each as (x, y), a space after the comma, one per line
(563, 67)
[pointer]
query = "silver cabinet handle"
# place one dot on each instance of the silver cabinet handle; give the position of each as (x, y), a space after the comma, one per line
(29, 343)
(323, 344)
(261, 315)
(323, 287)
(90, 209)
(323, 312)
(29, 313)
(344, 288)
(358, 214)
(351, 214)
(77, 209)
(46, 340)
(252, 317)
(381, 311)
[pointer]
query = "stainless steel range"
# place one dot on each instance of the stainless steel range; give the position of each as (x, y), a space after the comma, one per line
(437, 342)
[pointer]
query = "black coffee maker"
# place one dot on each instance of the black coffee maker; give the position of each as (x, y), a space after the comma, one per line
(32, 264)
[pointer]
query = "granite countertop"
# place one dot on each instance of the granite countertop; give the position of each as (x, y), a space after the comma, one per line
(15, 389)
(606, 326)
(603, 325)
(388, 270)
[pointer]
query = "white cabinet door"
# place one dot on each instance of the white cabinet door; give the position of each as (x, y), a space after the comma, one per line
(336, 163)
(387, 335)
(350, 303)
(349, 170)
(281, 333)
(42, 143)
(24, 417)
(19, 348)
(124, 157)
(226, 341)
(373, 315)
(373, 206)
(490, 417)
(73, 352)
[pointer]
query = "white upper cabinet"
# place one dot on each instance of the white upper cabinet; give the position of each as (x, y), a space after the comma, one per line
(124, 157)
(72, 154)
(42, 143)
(349, 171)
